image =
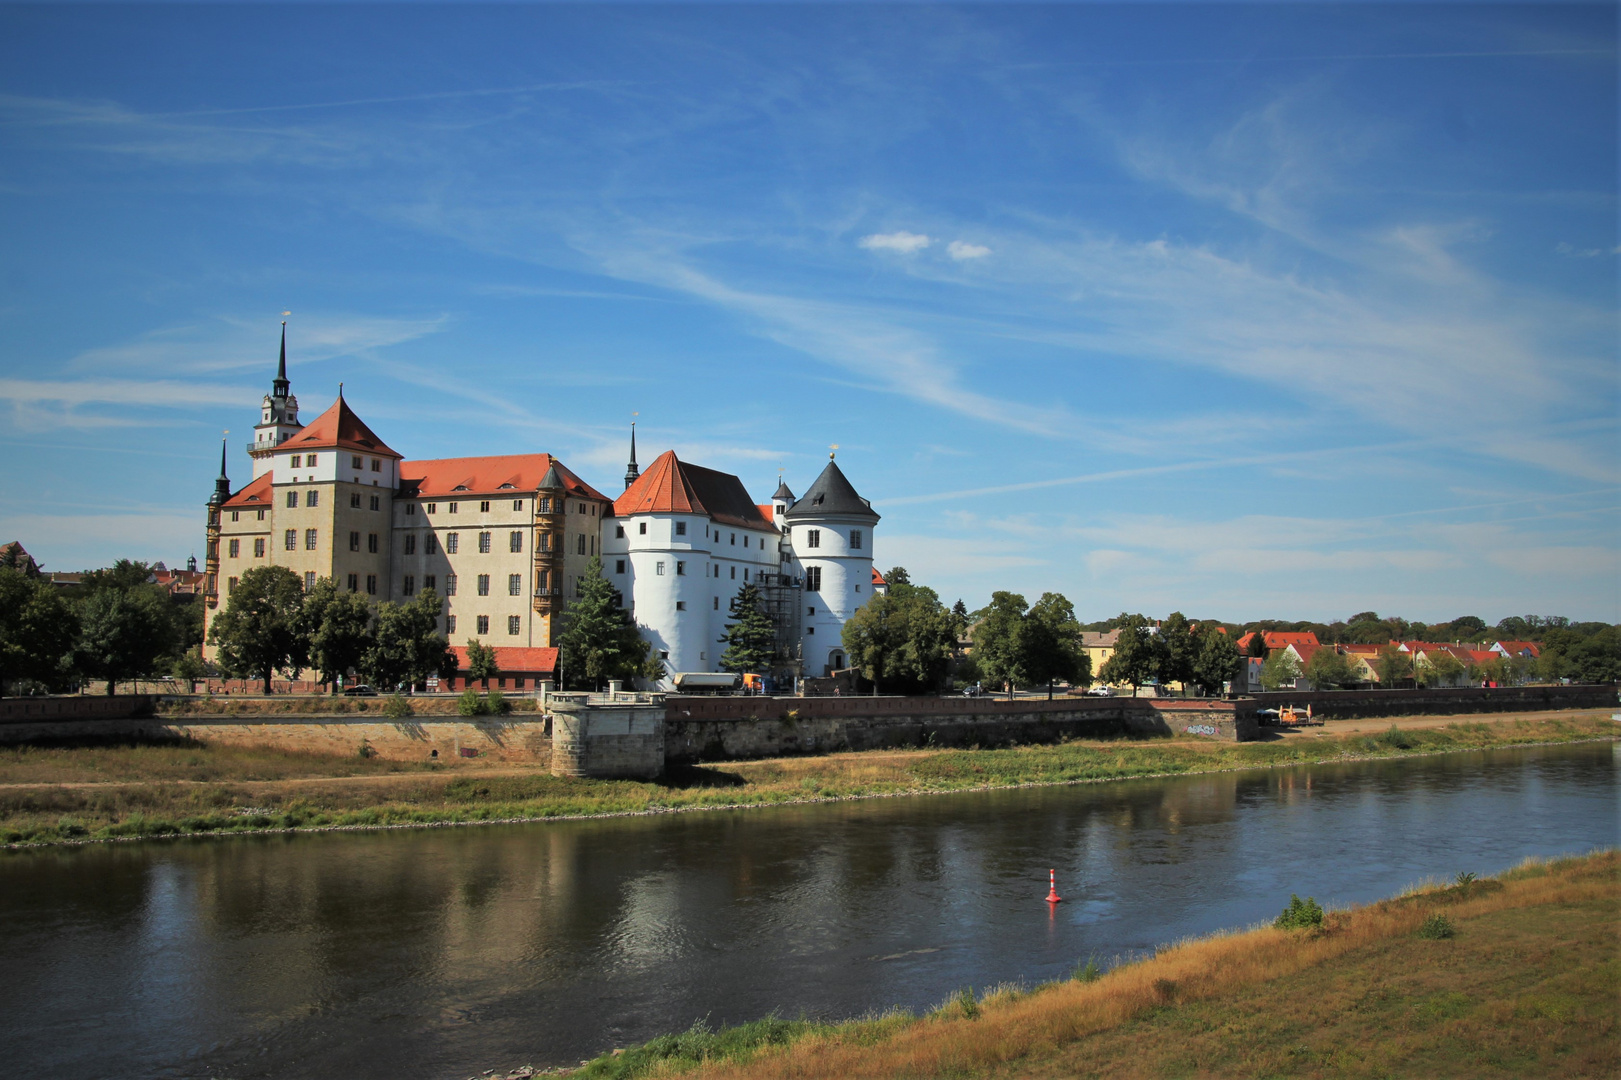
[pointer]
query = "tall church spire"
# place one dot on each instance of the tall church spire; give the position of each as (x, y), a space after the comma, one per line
(631, 470)
(279, 387)
(222, 486)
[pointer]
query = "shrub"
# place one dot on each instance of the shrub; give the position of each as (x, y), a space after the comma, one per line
(397, 708)
(1397, 739)
(1464, 879)
(969, 1004)
(365, 750)
(1088, 972)
(1436, 928)
(469, 704)
(495, 704)
(1300, 914)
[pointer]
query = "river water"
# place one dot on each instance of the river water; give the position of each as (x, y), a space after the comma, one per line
(442, 953)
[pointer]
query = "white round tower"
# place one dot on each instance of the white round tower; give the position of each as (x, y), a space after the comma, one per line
(830, 531)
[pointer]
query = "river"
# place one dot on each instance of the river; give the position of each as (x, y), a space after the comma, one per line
(441, 953)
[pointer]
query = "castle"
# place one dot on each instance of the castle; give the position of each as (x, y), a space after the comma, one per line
(506, 541)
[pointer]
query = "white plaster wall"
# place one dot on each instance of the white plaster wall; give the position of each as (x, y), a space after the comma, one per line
(846, 583)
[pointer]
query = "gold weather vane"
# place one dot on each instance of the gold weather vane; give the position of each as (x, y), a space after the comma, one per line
(831, 450)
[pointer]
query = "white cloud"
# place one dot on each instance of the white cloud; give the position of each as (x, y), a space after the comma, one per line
(959, 250)
(903, 242)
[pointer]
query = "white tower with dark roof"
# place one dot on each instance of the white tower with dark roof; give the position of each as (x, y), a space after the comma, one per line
(278, 415)
(829, 535)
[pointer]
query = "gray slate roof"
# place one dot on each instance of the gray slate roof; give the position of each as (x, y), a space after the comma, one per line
(832, 494)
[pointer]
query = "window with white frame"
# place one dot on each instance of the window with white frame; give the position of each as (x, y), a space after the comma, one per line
(514, 584)
(813, 579)
(855, 539)
(452, 543)
(484, 624)
(514, 625)
(515, 541)
(483, 543)
(813, 537)
(450, 584)
(658, 568)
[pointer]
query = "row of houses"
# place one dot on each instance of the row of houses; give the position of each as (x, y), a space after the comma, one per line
(1363, 659)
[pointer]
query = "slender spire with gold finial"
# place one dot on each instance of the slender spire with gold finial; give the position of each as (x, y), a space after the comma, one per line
(632, 471)
(279, 387)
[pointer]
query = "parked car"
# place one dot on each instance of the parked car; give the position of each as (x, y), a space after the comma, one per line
(973, 691)
(1101, 691)
(362, 690)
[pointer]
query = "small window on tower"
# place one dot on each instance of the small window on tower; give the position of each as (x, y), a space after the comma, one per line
(717, 602)
(619, 532)
(813, 537)
(681, 528)
(643, 529)
(354, 541)
(658, 568)
(681, 605)
(619, 566)
(582, 543)
(680, 568)
(855, 539)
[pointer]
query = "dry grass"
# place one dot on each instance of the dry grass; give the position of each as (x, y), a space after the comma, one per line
(51, 794)
(1528, 987)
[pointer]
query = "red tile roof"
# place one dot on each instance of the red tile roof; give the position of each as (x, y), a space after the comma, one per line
(445, 477)
(338, 429)
(672, 486)
(877, 578)
(511, 659)
(1520, 648)
(254, 496)
(1278, 639)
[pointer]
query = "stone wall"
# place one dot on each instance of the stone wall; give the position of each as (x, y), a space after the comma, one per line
(714, 729)
(34, 710)
(608, 740)
(1355, 704)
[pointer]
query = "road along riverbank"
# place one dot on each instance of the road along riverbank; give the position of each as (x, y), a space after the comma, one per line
(1504, 977)
(80, 793)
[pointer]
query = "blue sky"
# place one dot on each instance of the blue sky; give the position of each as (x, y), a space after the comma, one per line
(1248, 311)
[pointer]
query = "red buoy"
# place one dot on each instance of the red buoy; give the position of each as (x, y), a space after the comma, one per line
(1052, 888)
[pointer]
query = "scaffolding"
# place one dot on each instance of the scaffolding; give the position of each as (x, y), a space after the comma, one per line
(779, 599)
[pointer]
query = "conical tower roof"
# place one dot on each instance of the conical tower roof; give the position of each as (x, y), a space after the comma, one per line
(784, 493)
(832, 495)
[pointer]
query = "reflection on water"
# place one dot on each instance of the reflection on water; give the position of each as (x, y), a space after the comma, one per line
(443, 952)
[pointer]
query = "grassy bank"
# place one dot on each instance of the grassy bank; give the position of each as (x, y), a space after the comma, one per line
(73, 793)
(1512, 977)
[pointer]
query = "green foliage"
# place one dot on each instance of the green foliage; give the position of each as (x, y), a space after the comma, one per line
(996, 639)
(470, 704)
(967, 1003)
(121, 634)
(1393, 666)
(750, 638)
(1437, 928)
(671, 1053)
(398, 707)
(481, 665)
(1330, 669)
(1176, 650)
(1464, 878)
(1257, 645)
(1088, 972)
(496, 704)
(1397, 739)
(406, 645)
(1215, 658)
(1441, 668)
(37, 631)
(1138, 653)
(338, 626)
(1050, 641)
(1300, 914)
(598, 640)
(1588, 657)
(1281, 669)
(903, 641)
(258, 633)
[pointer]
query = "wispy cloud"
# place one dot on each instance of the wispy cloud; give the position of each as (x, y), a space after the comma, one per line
(961, 250)
(903, 242)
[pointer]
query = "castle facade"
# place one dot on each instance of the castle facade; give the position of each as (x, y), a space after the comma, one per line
(506, 541)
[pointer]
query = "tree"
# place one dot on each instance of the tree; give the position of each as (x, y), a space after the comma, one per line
(1176, 651)
(959, 619)
(1215, 659)
(121, 635)
(1257, 645)
(1137, 655)
(259, 631)
(904, 640)
(897, 576)
(1494, 671)
(996, 640)
(191, 667)
(750, 638)
(481, 665)
(338, 625)
(1330, 669)
(1051, 644)
(407, 646)
(1281, 669)
(38, 630)
(1393, 666)
(598, 641)
(1444, 669)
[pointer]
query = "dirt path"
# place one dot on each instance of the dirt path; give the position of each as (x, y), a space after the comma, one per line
(1373, 724)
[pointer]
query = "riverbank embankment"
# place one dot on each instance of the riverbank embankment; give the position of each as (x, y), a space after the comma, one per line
(1504, 977)
(84, 792)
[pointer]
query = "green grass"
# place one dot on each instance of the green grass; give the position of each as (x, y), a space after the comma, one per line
(180, 787)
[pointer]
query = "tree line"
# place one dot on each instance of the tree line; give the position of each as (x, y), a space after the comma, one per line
(114, 625)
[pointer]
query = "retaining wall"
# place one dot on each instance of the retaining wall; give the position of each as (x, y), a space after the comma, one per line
(1354, 704)
(613, 740)
(714, 729)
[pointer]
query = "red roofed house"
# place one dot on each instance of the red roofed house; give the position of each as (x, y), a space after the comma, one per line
(1517, 648)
